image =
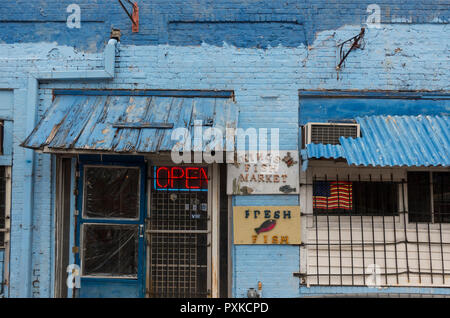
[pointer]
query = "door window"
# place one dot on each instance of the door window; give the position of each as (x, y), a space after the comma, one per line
(111, 193)
(110, 250)
(111, 222)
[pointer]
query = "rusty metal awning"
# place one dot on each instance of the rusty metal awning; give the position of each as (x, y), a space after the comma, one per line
(127, 123)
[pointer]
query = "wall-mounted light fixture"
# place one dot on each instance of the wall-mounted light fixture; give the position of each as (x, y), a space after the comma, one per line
(115, 34)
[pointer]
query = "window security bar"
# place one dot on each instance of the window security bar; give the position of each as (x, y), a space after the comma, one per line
(360, 228)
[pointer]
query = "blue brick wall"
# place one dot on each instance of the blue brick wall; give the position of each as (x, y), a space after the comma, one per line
(265, 68)
(179, 22)
(272, 265)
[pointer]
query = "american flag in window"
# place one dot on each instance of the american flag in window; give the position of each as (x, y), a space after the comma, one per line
(332, 195)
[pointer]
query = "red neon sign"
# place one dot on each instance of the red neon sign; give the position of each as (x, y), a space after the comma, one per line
(180, 178)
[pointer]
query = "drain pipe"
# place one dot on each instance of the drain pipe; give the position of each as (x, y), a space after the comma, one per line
(32, 101)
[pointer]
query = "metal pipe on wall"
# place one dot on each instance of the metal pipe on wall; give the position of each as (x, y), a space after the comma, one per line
(32, 101)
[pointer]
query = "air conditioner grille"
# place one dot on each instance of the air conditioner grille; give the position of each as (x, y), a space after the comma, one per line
(330, 134)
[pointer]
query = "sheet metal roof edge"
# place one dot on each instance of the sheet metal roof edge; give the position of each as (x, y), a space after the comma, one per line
(148, 92)
(380, 150)
(68, 121)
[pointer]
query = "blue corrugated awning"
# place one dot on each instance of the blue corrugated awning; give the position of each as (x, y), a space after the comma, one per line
(109, 123)
(326, 151)
(419, 141)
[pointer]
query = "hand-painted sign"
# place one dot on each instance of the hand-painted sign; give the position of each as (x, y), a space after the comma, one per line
(264, 173)
(266, 225)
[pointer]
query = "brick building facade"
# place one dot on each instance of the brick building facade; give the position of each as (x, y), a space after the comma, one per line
(277, 60)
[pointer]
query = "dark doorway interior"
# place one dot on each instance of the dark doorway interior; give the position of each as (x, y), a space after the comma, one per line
(223, 247)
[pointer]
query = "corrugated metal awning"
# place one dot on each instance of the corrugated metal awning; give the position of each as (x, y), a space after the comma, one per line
(125, 123)
(392, 141)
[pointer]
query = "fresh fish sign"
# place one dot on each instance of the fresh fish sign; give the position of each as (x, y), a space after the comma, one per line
(266, 225)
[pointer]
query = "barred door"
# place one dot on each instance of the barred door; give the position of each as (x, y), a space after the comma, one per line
(177, 233)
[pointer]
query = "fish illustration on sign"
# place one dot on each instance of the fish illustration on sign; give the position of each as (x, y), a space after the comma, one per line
(266, 226)
(246, 190)
(287, 189)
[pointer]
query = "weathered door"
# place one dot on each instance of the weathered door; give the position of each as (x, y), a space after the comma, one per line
(110, 230)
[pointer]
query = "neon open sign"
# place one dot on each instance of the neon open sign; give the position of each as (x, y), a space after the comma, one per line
(180, 178)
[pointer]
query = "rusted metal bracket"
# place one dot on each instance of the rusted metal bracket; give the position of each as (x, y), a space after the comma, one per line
(134, 16)
(355, 45)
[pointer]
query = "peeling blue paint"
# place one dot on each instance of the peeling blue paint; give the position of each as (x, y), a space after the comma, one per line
(260, 24)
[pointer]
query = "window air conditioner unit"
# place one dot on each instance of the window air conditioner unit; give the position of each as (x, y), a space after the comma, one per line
(329, 133)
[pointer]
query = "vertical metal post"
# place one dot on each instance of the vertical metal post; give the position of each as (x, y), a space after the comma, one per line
(328, 238)
(339, 229)
(418, 248)
(373, 225)
(351, 229)
(428, 227)
(405, 229)
(362, 240)
(395, 187)
(166, 242)
(215, 204)
(439, 216)
(211, 177)
(317, 236)
(384, 230)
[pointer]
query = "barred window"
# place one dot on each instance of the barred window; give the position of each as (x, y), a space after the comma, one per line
(356, 198)
(401, 243)
(429, 197)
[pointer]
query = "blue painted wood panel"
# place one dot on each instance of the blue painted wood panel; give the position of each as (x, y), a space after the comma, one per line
(334, 108)
(108, 288)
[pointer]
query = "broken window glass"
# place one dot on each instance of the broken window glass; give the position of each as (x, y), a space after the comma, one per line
(111, 193)
(110, 250)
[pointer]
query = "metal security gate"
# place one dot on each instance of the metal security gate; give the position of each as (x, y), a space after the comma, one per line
(378, 229)
(178, 233)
